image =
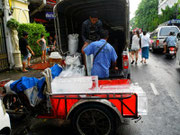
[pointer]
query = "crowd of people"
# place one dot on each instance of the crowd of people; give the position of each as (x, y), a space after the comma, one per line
(140, 42)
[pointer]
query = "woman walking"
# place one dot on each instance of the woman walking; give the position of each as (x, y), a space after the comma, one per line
(145, 41)
(42, 42)
(135, 46)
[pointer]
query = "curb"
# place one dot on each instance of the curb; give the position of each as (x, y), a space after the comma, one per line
(35, 60)
(38, 59)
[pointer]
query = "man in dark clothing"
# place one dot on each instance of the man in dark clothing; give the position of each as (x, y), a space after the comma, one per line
(90, 32)
(91, 29)
(25, 48)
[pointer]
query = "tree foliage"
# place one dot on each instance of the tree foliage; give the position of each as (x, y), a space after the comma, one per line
(147, 16)
(34, 31)
(12, 23)
(146, 13)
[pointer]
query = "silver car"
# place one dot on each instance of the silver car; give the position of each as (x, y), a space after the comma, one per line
(159, 35)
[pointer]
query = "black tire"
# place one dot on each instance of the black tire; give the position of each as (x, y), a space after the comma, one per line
(94, 119)
(12, 102)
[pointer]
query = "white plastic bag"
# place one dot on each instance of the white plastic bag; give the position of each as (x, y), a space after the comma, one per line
(73, 43)
(73, 71)
(72, 60)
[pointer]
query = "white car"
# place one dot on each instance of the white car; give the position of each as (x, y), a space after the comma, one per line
(159, 35)
(5, 126)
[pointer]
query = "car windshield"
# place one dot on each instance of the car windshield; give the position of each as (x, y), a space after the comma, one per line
(166, 31)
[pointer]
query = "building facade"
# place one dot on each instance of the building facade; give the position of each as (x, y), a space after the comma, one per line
(20, 10)
(164, 3)
(17, 9)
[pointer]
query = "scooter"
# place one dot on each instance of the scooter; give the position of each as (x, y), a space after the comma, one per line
(171, 52)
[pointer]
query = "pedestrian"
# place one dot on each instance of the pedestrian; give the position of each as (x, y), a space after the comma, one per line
(103, 53)
(42, 42)
(131, 36)
(90, 32)
(25, 48)
(55, 42)
(50, 47)
(145, 41)
(135, 46)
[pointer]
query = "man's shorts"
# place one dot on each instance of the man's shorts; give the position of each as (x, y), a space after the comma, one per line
(26, 57)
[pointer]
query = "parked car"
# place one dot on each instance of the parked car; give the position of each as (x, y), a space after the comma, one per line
(5, 126)
(159, 35)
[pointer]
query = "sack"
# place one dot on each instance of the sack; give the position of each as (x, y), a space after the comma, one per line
(73, 43)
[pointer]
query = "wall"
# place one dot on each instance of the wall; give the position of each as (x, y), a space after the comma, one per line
(20, 10)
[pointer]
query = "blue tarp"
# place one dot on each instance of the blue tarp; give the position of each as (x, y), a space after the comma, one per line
(28, 82)
(56, 70)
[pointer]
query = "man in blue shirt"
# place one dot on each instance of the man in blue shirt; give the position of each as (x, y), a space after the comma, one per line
(171, 40)
(103, 60)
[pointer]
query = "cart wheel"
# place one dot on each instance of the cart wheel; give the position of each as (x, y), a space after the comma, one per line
(94, 119)
(13, 106)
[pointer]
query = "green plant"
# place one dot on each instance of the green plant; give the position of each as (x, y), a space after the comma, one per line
(34, 31)
(12, 24)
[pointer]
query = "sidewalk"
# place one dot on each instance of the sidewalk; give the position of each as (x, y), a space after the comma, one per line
(15, 75)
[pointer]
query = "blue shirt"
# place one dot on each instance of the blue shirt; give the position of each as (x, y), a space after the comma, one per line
(103, 60)
(171, 41)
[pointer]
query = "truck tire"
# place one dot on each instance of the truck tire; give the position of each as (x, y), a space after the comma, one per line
(94, 119)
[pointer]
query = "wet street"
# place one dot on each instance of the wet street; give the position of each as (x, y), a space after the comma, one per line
(160, 79)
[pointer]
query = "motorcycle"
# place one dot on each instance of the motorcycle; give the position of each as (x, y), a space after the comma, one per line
(171, 52)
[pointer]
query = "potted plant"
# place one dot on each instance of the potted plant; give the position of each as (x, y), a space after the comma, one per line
(12, 24)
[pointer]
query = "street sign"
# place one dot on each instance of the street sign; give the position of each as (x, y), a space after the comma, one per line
(49, 15)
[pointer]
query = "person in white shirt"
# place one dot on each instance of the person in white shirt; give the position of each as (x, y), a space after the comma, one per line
(145, 41)
(135, 46)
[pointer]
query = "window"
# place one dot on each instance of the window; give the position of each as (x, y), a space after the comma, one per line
(167, 30)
